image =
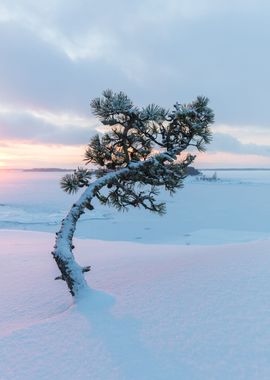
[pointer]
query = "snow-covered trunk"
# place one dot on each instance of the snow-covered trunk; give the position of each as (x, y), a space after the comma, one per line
(71, 271)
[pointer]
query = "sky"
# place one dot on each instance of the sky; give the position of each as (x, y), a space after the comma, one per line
(57, 55)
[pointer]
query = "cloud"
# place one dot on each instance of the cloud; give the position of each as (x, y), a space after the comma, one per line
(59, 54)
(246, 134)
(39, 126)
(157, 53)
(226, 143)
(231, 160)
(25, 155)
(35, 74)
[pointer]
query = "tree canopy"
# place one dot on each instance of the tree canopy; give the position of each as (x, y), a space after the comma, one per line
(135, 135)
(142, 151)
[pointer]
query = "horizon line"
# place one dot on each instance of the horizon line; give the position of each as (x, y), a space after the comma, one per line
(71, 169)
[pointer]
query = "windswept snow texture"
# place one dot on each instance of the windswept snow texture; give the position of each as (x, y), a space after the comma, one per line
(233, 209)
(160, 312)
(168, 300)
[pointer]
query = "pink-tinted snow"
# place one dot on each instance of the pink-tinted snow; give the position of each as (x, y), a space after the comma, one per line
(153, 312)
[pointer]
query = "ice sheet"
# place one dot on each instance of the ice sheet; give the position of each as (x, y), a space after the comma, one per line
(235, 208)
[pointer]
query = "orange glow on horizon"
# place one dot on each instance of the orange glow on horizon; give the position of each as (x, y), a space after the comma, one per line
(20, 155)
(23, 155)
(230, 160)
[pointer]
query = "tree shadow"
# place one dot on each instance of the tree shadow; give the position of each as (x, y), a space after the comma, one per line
(121, 337)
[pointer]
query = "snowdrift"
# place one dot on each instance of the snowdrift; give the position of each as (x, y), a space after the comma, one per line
(161, 312)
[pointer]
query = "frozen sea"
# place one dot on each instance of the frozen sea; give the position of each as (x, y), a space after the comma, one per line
(194, 306)
(235, 208)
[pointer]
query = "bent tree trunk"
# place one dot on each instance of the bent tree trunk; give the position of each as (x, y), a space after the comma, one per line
(128, 148)
(71, 271)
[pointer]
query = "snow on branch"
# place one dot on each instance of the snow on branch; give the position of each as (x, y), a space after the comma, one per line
(142, 151)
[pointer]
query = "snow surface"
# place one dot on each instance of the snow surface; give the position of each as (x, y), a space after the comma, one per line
(168, 299)
(153, 312)
(234, 209)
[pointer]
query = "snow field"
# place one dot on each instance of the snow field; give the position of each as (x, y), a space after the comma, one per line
(153, 312)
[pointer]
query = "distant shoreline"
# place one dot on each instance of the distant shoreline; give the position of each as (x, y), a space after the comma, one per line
(37, 170)
(55, 170)
(234, 169)
(47, 170)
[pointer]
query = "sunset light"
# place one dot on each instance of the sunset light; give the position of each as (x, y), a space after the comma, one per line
(47, 86)
(20, 155)
(134, 190)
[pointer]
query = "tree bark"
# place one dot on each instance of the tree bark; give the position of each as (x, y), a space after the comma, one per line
(71, 271)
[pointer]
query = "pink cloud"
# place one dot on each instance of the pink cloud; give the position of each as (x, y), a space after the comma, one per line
(233, 160)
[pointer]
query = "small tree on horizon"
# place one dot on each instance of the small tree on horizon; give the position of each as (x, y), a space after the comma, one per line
(144, 150)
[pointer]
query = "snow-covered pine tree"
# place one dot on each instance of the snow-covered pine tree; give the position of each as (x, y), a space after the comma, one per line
(144, 150)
